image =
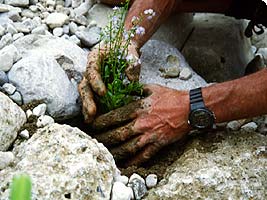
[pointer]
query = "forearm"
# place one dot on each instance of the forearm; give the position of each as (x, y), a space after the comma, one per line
(237, 99)
(162, 8)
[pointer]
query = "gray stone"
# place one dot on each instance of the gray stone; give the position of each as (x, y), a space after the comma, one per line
(236, 124)
(9, 88)
(260, 41)
(68, 3)
(3, 78)
(62, 162)
(56, 20)
(29, 24)
(249, 127)
(66, 29)
(33, 8)
(6, 40)
(154, 56)
(151, 180)
(44, 120)
(16, 97)
(76, 3)
(6, 158)
(8, 55)
(22, 27)
(40, 73)
(232, 167)
(139, 188)
(89, 37)
(121, 192)
(22, 3)
(75, 40)
(80, 19)
(12, 118)
(100, 13)
(27, 13)
(58, 31)
(83, 8)
(210, 55)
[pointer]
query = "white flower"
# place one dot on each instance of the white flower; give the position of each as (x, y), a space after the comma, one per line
(150, 12)
(140, 30)
(134, 19)
(116, 8)
(129, 58)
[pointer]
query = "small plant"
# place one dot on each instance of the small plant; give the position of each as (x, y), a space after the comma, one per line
(21, 187)
(115, 59)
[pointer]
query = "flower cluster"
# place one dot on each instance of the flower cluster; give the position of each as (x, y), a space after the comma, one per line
(117, 58)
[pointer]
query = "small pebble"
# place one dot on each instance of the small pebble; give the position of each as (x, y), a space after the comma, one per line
(139, 188)
(75, 40)
(9, 88)
(6, 158)
(17, 36)
(16, 97)
(136, 176)
(234, 125)
(185, 74)
(29, 113)
(151, 180)
(44, 120)
(123, 179)
(39, 110)
(250, 127)
(25, 134)
(58, 31)
(121, 192)
(3, 78)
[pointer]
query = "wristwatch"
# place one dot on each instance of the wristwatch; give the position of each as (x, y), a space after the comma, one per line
(200, 116)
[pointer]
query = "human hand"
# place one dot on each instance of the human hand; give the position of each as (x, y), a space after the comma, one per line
(92, 79)
(149, 124)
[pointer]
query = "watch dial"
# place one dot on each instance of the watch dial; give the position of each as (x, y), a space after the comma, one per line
(201, 118)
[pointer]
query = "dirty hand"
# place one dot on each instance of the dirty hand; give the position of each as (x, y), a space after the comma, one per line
(92, 80)
(149, 124)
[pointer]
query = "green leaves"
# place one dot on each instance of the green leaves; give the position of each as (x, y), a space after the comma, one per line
(21, 187)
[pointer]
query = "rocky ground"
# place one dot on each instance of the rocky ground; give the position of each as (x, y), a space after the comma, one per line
(43, 54)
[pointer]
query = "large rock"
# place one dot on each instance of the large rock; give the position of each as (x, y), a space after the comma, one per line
(217, 49)
(217, 166)
(99, 13)
(49, 70)
(63, 163)
(12, 118)
(17, 2)
(154, 55)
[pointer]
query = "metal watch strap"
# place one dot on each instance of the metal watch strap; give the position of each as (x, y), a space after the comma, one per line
(196, 99)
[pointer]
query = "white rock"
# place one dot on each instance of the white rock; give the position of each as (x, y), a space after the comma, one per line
(16, 97)
(3, 7)
(63, 161)
(29, 113)
(136, 176)
(6, 158)
(83, 8)
(11, 29)
(151, 180)
(58, 31)
(44, 120)
(253, 49)
(6, 40)
(50, 3)
(39, 30)
(99, 13)
(185, 74)
(24, 134)
(76, 3)
(33, 8)
(73, 27)
(121, 192)
(17, 2)
(65, 37)
(22, 27)
(66, 29)
(17, 36)
(75, 40)
(8, 55)
(9, 88)
(123, 179)
(68, 3)
(27, 13)
(89, 37)
(234, 125)
(2, 30)
(43, 73)
(40, 109)
(249, 127)
(56, 20)
(12, 117)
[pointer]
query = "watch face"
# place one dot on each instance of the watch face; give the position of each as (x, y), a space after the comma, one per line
(201, 118)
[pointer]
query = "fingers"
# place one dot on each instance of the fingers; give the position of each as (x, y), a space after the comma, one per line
(88, 107)
(117, 116)
(118, 135)
(149, 151)
(93, 72)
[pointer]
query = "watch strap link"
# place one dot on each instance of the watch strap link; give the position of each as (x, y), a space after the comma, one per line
(196, 99)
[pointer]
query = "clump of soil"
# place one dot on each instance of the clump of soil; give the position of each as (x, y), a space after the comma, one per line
(31, 105)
